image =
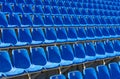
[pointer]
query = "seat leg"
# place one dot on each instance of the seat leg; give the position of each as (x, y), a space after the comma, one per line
(60, 72)
(29, 76)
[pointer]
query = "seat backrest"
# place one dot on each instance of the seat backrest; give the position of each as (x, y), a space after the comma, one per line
(48, 20)
(90, 73)
(114, 70)
(61, 76)
(105, 32)
(58, 20)
(5, 62)
(6, 8)
(103, 72)
(82, 20)
(63, 10)
(46, 9)
(75, 75)
(116, 45)
(11, 34)
(71, 32)
(98, 32)
(38, 56)
(55, 10)
(38, 20)
(108, 47)
(27, 8)
(67, 52)
(53, 54)
(24, 35)
(112, 31)
(90, 32)
(75, 20)
(18, 8)
(81, 33)
(66, 20)
(21, 58)
(38, 9)
(79, 51)
(3, 21)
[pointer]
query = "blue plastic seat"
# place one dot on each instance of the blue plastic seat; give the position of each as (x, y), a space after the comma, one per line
(53, 3)
(7, 69)
(117, 30)
(29, 1)
(3, 21)
(26, 20)
(38, 2)
(116, 45)
(82, 20)
(53, 57)
(55, 10)
(21, 60)
(20, 1)
(105, 32)
(83, 11)
(70, 11)
(50, 35)
(63, 10)
(57, 20)
(11, 1)
(102, 20)
(67, 55)
(38, 9)
(61, 35)
(89, 21)
(100, 50)
(38, 36)
(18, 8)
(24, 36)
(114, 70)
(61, 76)
(75, 75)
(109, 49)
(7, 8)
(98, 33)
(47, 9)
(112, 33)
(96, 21)
(28, 9)
(90, 73)
(72, 34)
(90, 51)
(66, 20)
(77, 11)
(79, 53)
(75, 20)
(103, 72)
(38, 21)
(90, 34)
(81, 34)
(67, 4)
(73, 4)
(38, 58)
(46, 2)
(14, 20)
(48, 20)
(60, 3)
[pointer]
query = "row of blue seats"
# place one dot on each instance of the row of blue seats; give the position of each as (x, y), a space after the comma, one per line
(30, 9)
(112, 71)
(23, 37)
(37, 20)
(55, 57)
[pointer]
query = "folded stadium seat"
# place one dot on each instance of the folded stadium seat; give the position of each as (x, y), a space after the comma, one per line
(3, 21)
(48, 20)
(50, 35)
(53, 57)
(79, 4)
(28, 8)
(72, 34)
(29, 1)
(108, 21)
(98, 33)
(117, 30)
(55, 10)
(38, 9)
(114, 21)
(96, 12)
(66, 20)
(20, 1)
(105, 32)
(83, 11)
(14, 20)
(100, 50)
(77, 11)
(38, 21)
(90, 34)
(53, 3)
(38, 58)
(89, 21)
(75, 20)
(112, 32)
(38, 36)
(81, 32)
(18, 8)
(61, 35)
(67, 55)
(75, 75)
(21, 60)
(116, 45)
(57, 20)
(11, 1)
(90, 73)
(46, 9)
(63, 10)
(26, 20)
(96, 21)
(61, 76)
(114, 70)
(103, 72)
(73, 4)
(6, 67)
(89, 12)
(102, 21)
(24, 36)
(70, 11)
(90, 51)
(79, 53)
(60, 3)
(6, 8)
(82, 20)
(109, 49)
(67, 3)
(46, 2)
